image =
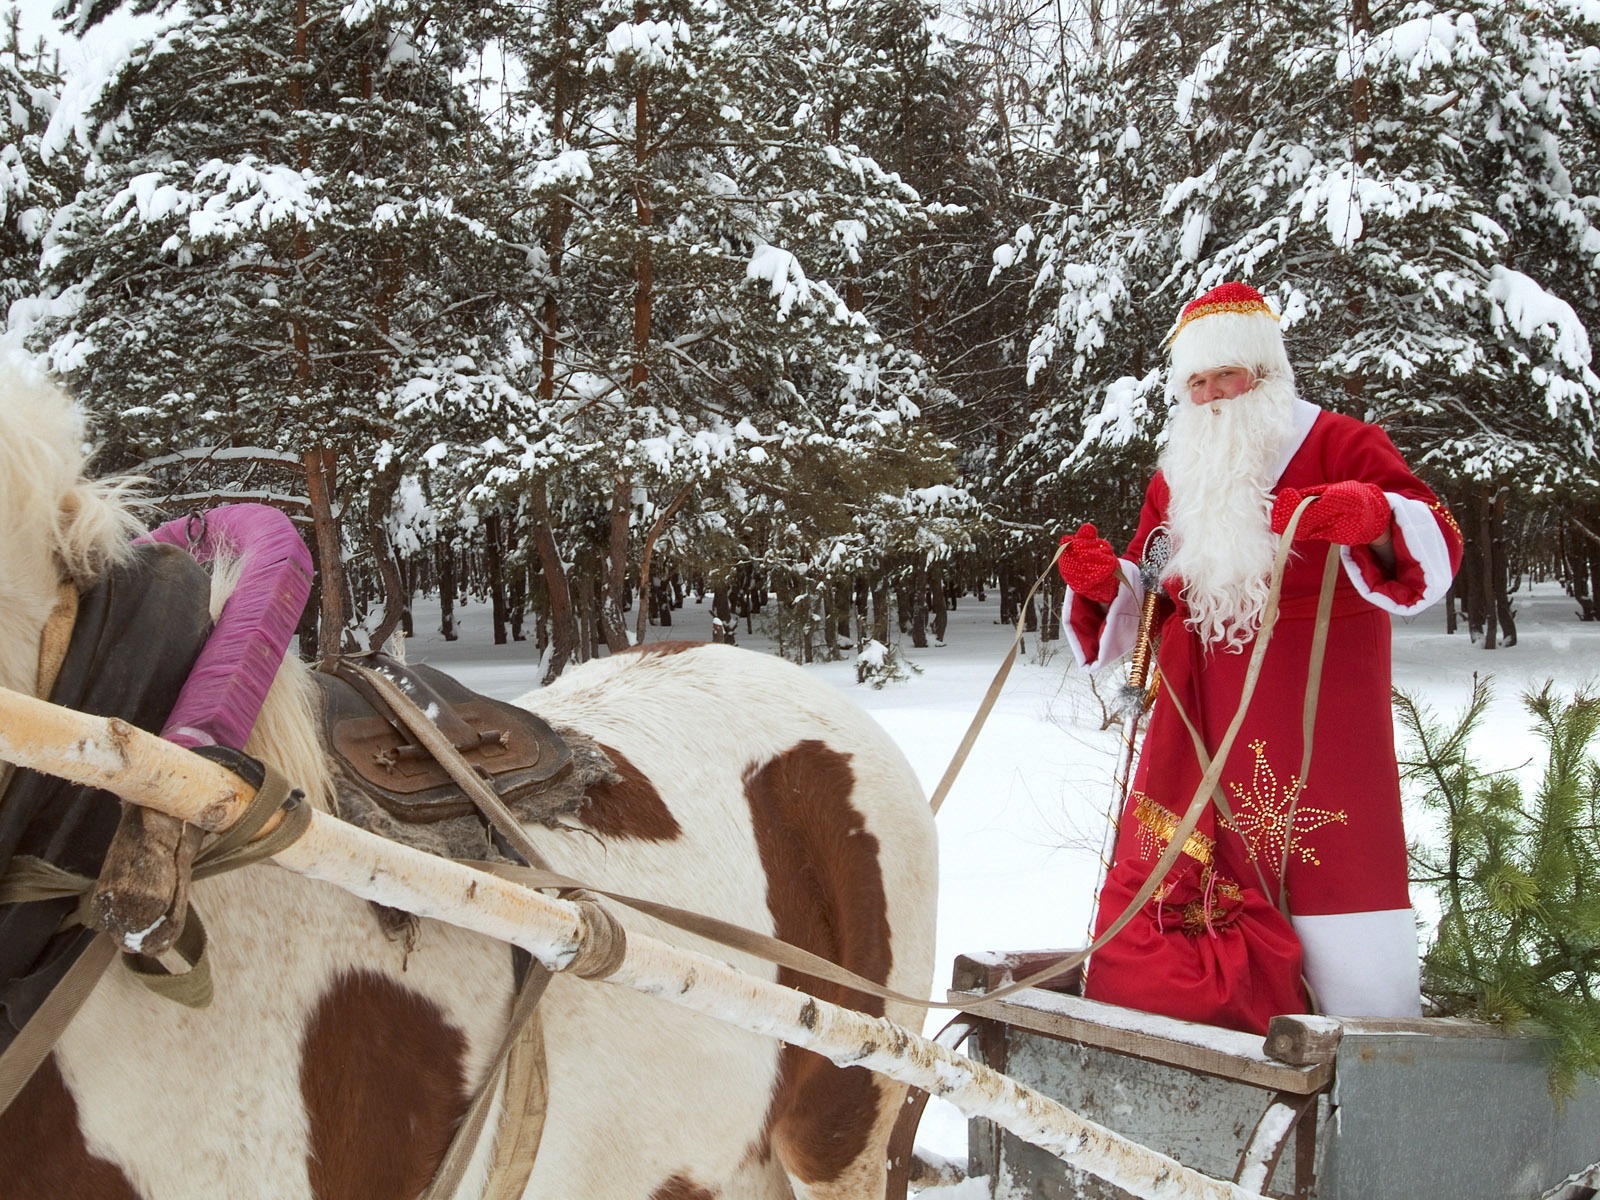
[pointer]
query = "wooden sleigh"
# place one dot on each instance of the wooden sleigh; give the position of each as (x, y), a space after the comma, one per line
(1324, 1108)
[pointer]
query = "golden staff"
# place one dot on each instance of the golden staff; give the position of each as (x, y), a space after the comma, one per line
(1134, 697)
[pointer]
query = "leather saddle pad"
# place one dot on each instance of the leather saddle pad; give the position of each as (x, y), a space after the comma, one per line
(518, 752)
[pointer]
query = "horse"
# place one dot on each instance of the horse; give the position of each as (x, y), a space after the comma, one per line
(336, 1057)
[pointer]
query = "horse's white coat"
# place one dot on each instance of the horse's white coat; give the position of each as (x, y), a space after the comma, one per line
(208, 1103)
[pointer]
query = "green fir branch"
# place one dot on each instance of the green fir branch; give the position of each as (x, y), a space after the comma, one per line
(1518, 938)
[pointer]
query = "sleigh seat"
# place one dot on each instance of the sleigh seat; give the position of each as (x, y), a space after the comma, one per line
(1336, 1108)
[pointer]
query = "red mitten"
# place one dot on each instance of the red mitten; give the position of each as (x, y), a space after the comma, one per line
(1349, 512)
(1089, 565)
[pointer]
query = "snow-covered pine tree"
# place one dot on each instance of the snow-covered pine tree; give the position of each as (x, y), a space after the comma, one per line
(291, 234)
(1537, 148)
(1343, 167)
(30, 187)
(704, 360)
(1334, 154)
(1097, 247)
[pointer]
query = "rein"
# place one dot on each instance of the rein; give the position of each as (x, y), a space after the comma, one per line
(1211, 768)
(274, 796)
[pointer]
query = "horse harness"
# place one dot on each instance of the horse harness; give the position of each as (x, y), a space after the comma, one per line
(406, 745)
(123, 649)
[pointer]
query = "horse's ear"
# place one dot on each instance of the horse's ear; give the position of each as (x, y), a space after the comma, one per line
(94, 523)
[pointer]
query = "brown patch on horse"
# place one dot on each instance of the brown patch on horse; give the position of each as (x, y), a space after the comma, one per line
(384, 1088)
(825, 892)
(43, 1155)
(629, 807)
(681, 1188)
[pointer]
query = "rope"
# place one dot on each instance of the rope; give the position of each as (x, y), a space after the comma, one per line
(1210, 773)
(1319, 641)
(604, 942)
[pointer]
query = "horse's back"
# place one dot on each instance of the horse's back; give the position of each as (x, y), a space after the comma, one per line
(753, 792)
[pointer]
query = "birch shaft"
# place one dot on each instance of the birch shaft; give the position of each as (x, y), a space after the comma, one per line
(146, 770)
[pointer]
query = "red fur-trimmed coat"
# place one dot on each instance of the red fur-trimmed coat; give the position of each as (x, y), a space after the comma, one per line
(1214, 946)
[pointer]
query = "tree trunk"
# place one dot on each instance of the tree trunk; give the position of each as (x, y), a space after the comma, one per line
(1500, 573)
(647, 554)
(1593, 560)
(517, 584)
(919, 604)
(1050, 597)
(902, 601)
(446, 558)
(880, 607)
(321, 489)
(837, 629)
(494, 566)
(396, 600)
(408, 589)
(613, 624)
(1486, 585)
(588, 643)
(563, 624)
(614, 591)
(723, 626)
(941, 600)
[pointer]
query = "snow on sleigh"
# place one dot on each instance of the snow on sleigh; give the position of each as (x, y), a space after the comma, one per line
(1324, 1107)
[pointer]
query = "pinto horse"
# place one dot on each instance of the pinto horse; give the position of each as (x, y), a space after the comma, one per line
(336, 1059)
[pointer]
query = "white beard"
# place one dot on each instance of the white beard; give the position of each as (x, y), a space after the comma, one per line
(1221, 463)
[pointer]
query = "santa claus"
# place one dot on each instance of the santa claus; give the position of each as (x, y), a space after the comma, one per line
(1290, 893)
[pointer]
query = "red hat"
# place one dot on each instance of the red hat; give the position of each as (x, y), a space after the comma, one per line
(1232, 325)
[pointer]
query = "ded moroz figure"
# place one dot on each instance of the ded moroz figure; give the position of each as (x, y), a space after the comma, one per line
(1289, 882)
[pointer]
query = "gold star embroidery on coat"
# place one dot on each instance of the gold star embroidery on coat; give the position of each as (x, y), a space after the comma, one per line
(1262, 815)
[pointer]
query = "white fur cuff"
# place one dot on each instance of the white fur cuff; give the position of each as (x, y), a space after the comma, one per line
(1363, 964)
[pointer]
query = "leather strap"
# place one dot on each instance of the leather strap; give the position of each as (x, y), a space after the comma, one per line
(31, 879)
(986, 705)
(523, 1040)
(520, 1060)
(36, 1039)
(1210, 772)
(1319, 644)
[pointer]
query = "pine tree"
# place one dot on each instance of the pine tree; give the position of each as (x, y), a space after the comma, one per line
(1517, 876)
(290, 235)
(30, 183)
(701, 359)
(1407, 182)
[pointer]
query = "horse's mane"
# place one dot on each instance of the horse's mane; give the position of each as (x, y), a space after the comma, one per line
(43, 484)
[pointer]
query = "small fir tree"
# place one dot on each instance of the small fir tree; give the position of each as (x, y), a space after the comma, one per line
(1517, 877)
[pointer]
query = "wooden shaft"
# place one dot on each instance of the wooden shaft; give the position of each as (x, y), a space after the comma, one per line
(146, 770)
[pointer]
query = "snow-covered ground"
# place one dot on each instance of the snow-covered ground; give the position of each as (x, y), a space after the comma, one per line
(1021, 829)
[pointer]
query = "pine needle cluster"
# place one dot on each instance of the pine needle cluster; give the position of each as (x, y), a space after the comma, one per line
(1517, 876)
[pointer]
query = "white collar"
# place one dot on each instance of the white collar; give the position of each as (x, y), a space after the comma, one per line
(1305, 416)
